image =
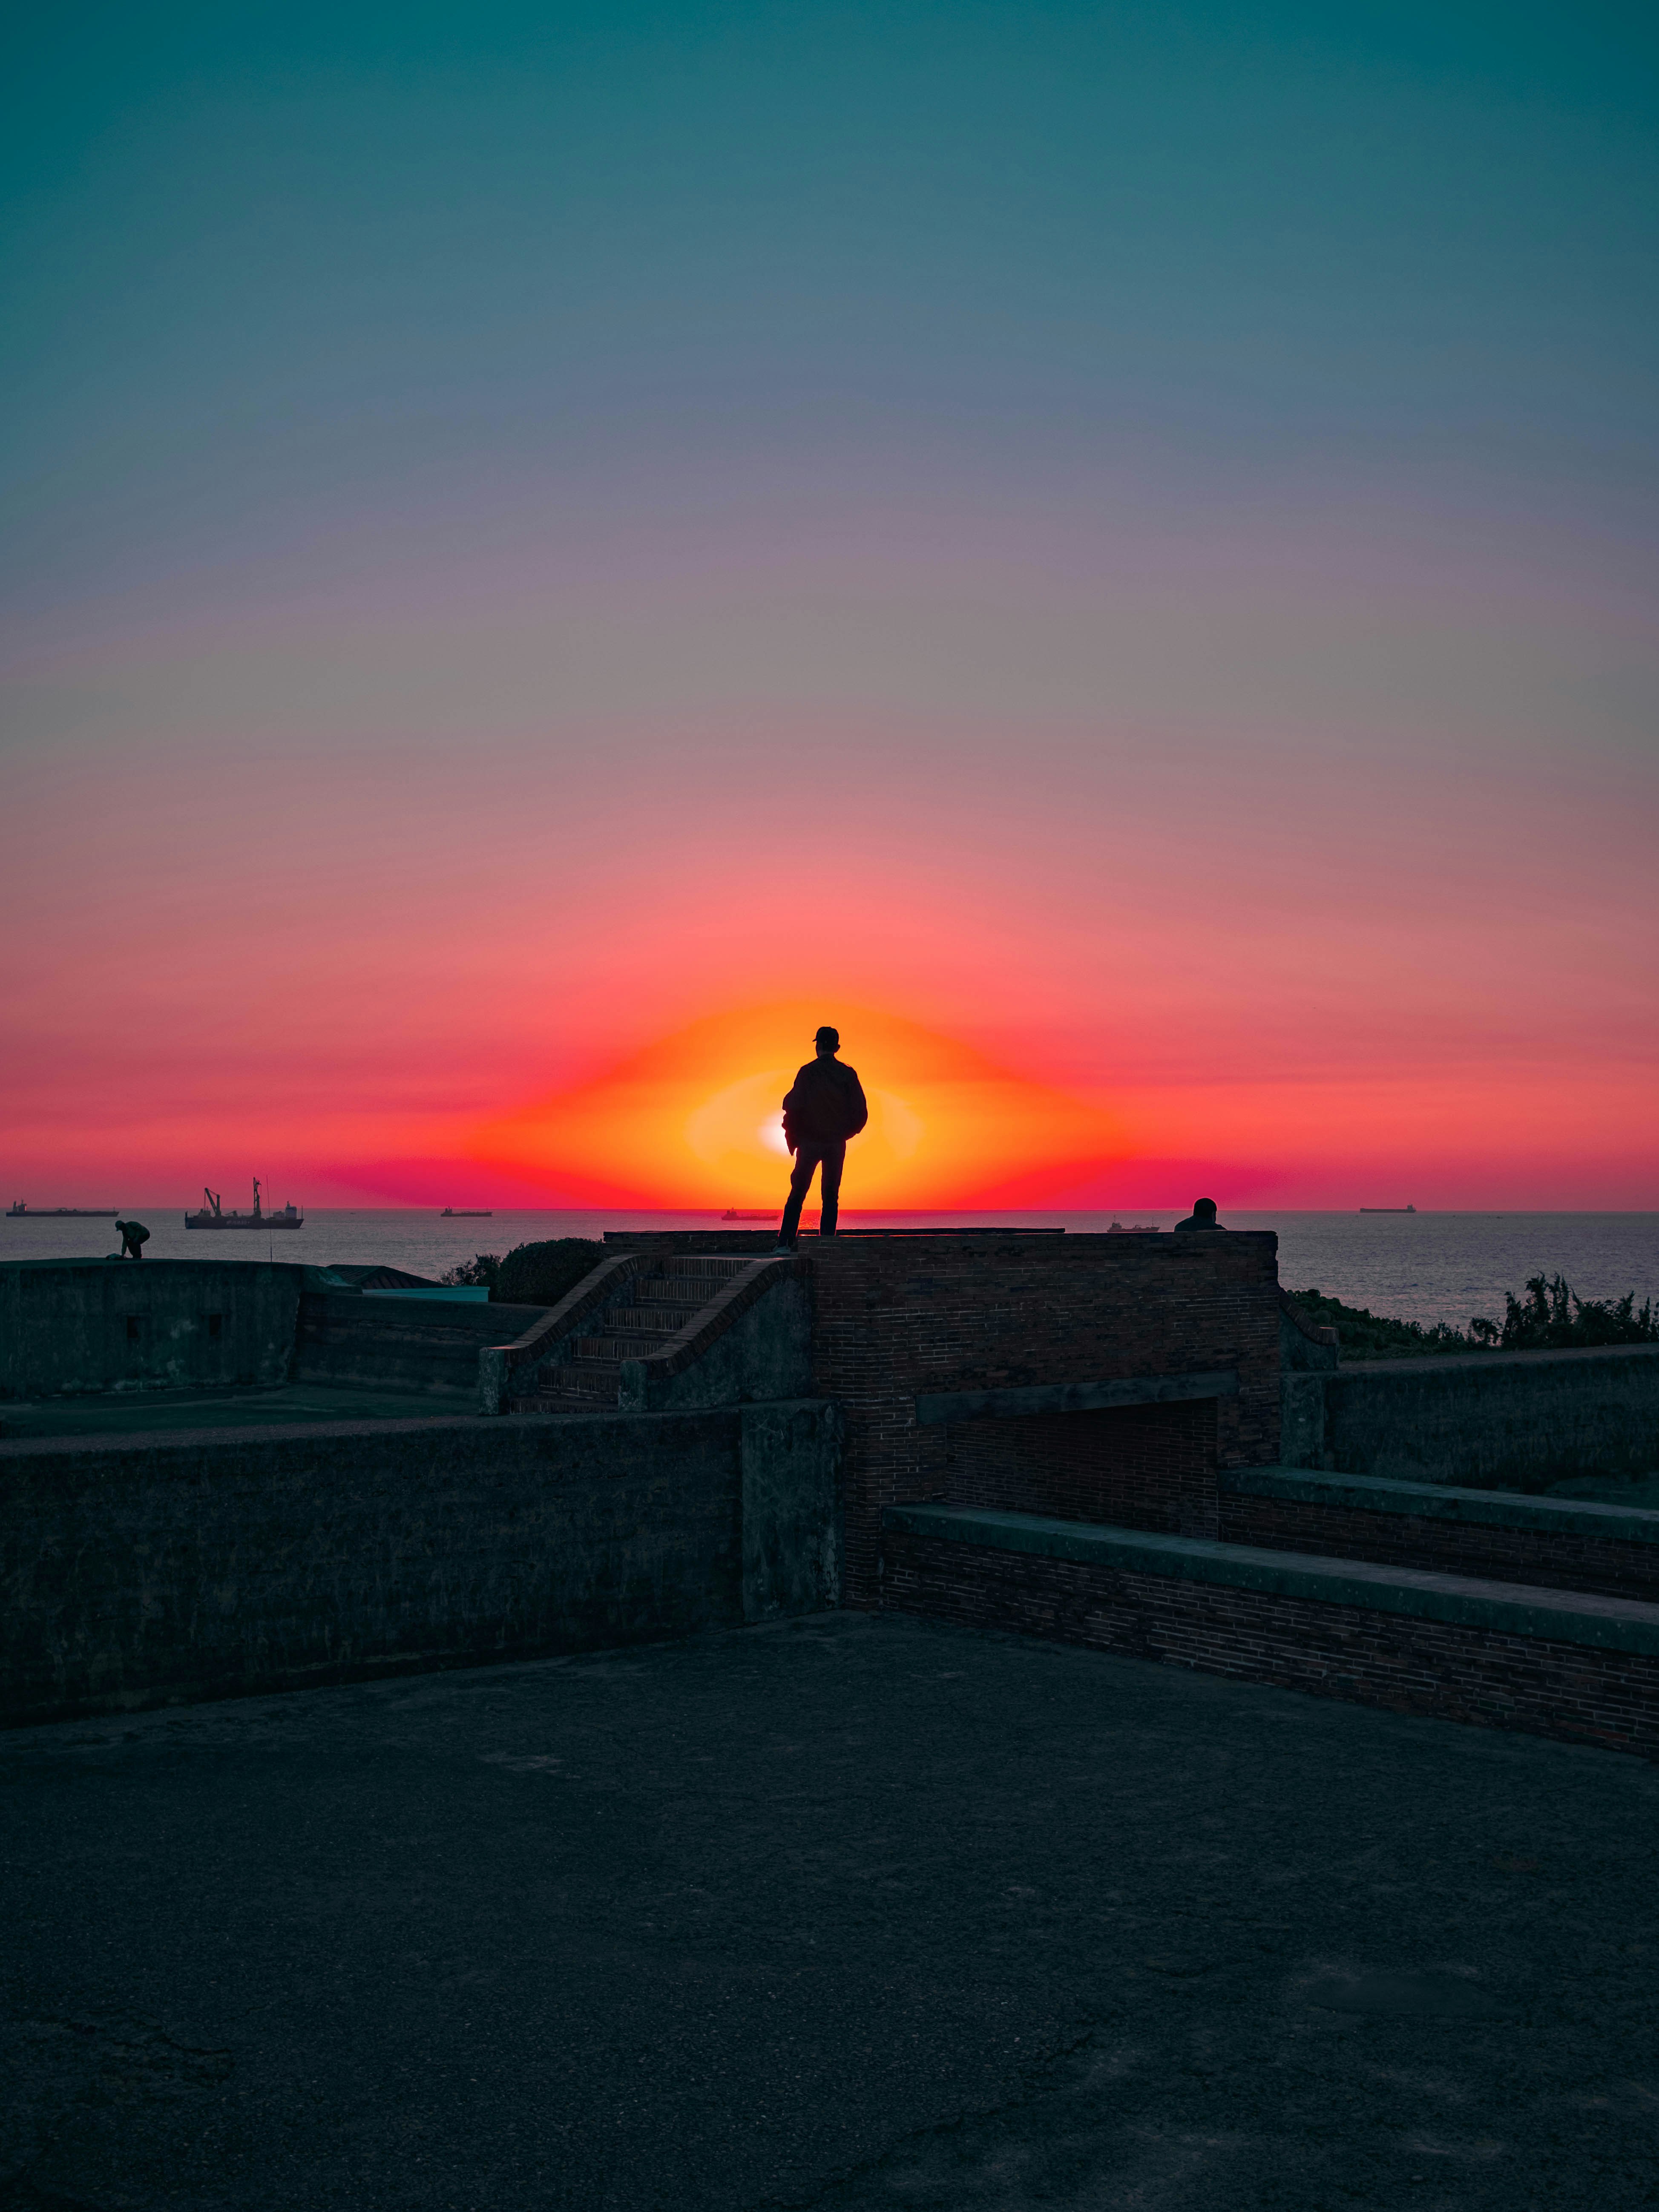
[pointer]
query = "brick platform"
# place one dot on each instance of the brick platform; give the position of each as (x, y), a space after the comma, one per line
(902, 1321)
(1583, 1668)
(1554, 1542)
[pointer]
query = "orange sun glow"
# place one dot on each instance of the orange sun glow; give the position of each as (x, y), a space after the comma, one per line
(694, 1120)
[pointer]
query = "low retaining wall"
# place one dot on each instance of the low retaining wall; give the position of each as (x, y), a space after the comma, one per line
(401, 1344)
(1508, 1420)
(1493, 1533)
(1578, 1668)
(177, 1567)
(69, 1326)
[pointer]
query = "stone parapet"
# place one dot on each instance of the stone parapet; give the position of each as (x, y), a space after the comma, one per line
(1567, 1664)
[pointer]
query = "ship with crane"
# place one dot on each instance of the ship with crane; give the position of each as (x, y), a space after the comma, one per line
(211, 1214)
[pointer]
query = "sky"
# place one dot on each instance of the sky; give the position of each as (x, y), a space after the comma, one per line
(1108, 551)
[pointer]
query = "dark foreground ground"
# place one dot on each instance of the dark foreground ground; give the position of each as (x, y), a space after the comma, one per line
(844, 1914)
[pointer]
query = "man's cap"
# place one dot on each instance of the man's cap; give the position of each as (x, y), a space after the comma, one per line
(827, 1035)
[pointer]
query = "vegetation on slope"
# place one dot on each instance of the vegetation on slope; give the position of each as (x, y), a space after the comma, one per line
(1550, 1317)
(473, 1274)
(532, 1274)
(1362, 1334)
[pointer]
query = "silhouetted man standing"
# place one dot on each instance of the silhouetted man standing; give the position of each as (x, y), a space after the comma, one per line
(824, 1107)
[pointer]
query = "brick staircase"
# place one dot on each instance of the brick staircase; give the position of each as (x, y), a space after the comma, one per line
(656, 1306)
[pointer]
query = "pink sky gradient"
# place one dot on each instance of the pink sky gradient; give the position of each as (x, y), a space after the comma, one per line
(1303, 971)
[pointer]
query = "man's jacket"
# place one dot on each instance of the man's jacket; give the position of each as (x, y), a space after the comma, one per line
(825, 1105)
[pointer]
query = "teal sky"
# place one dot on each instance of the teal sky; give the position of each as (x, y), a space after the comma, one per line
(1162, 499)
(277, 276)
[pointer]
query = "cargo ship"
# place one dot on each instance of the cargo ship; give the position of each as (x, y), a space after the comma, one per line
(467, 1213)
(18, 1212)
(211, 1216)
(740, 1213)
(1387, 1209)
(1135, 1228)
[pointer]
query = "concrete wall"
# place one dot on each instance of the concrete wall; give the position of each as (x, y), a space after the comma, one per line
(1511, 1421)
(150, 1572)
(766, 1352)
(74, 1325)
(403, 1343)
(791, 1507)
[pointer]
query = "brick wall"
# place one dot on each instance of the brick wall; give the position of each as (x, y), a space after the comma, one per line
(1569, 1691)
(1554, 1559)
(896, 1316)
(1139, 1467)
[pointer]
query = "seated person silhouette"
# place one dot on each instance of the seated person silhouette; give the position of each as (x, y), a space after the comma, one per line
(134, 1237)
(824, 1108)
(1201, 1217)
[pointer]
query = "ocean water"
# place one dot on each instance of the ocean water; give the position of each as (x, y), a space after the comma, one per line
(1421, 1267)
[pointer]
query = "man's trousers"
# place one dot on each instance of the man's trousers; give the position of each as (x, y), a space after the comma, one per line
(810, 1154)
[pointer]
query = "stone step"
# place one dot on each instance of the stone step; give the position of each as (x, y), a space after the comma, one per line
(659, 1304)
(700, 1267)
(619, 1345)
(664, 1320)
(684, 1289)
(573, 1393)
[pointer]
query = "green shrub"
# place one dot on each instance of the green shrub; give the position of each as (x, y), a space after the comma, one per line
(1552, 1318)
(483, 1270)
(1362, 1334)
(540, 1274)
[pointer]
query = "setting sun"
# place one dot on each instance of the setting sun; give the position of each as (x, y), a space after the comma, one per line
(694, 1120)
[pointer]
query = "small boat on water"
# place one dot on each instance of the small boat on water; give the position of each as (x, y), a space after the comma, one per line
(212, 1216)
(1387, 1209)
(467, 1213)
(744, 1214)
(60, 1213)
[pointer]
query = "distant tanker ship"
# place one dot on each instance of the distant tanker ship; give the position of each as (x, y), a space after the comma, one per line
(210, 1216)
(17, 1212)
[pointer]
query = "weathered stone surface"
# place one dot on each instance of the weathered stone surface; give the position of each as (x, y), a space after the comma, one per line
(1503, 1420)
(148, 1570)
(75, 1326)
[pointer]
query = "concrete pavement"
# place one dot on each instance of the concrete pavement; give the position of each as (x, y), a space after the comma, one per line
(850, 1914)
